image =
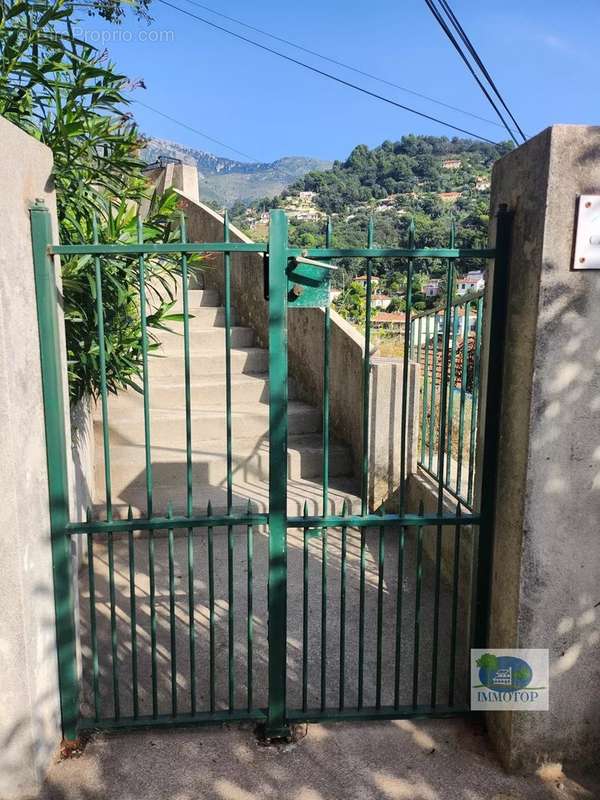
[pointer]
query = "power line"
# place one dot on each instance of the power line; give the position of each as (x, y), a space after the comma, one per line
(344, 65)
(327, 74)
(443, 24)
(194, 130)
(470, 46)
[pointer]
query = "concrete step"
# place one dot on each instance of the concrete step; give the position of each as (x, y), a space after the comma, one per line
(257, 492)
(207, 423)
(203, 340)
(250, 461)
(243, 360)
(197, 298)
(203, 317)
(168, 394)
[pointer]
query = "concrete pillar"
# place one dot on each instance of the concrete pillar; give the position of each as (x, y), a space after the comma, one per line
(545, 588)
(29, 709)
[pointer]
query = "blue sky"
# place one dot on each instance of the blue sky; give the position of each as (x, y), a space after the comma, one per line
(537, 50)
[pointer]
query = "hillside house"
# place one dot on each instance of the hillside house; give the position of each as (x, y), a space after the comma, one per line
(449, 197)
(381, 301)
(391, 322)
(473, 281)
(451, 163)
(362, 279)
(432, 288)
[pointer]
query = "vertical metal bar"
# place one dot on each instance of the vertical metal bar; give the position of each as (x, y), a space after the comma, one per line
(343, 584)
(189, 465)
(152, 577)
(366, 381)
(305, 612)
(133, 620)
(191, 618)
(379, 662)
(425, 390)
(493, 400)
(417, 632)
(405, 368)
(227, 284)
(277, 582)
(172, 618)
(432, 410)
(93, 633)
(51, 360)
(440, 468)
(230, 620)
(113, 628)
(102, 365)
(475, 400)
(250, 612)
(323, 618)
(436, 614)
(324, 560)
(326, 349)
(444, 376)
(419, 338)
(361, 617)
(145, 375)
(187, 370)
(454, 622)
(399, 591)
(451, 396)
(211, 611)
(230, 538)
(463, 397)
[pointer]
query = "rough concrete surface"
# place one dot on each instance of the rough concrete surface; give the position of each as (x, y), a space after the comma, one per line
(547, 550)
(400, 760)
(29, 728)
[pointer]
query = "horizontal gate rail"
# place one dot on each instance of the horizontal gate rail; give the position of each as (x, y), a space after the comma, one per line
(322, 254)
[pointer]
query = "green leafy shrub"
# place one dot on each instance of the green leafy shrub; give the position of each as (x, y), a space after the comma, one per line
(66, 93)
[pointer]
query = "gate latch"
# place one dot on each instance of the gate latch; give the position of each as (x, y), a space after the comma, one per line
(309, 283)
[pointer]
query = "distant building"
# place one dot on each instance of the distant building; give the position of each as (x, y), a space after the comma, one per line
(482, 183)
(473, 281)
(381, 301)
(391, 321)
(451, 163)
(449, 197)
(432, 288)
(363, 279)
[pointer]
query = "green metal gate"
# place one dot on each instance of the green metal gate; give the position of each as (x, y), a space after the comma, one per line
(368, 622)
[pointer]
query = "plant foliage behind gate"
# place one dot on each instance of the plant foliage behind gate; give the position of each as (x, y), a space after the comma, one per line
(66, 93)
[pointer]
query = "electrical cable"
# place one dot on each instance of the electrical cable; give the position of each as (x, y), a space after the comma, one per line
(437, 15)
(343, 64)
(194, 130)
(478, 60)
(328, 74)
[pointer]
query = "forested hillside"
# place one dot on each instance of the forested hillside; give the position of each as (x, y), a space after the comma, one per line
(431, 180)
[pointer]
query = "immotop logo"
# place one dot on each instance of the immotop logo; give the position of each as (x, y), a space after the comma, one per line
(509, 680)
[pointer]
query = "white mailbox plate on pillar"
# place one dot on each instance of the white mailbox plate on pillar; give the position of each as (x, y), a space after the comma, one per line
(587, 241)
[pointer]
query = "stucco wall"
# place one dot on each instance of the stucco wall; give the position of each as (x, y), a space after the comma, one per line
(547, 548)
(29, 710)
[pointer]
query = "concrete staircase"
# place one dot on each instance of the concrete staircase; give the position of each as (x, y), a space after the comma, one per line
(250, 418)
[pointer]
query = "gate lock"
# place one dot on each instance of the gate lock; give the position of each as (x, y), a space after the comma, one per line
(308, 283)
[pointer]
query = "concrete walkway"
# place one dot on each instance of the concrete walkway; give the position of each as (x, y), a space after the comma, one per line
(401, 760)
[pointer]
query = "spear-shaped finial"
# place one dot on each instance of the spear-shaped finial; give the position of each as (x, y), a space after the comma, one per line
(411, 234)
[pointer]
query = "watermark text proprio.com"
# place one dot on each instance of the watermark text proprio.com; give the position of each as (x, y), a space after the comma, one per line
(123, 35)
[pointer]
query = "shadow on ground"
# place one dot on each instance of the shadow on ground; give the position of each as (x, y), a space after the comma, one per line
(401, 760)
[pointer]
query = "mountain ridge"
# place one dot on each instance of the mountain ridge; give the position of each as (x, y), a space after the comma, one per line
(225, 181)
